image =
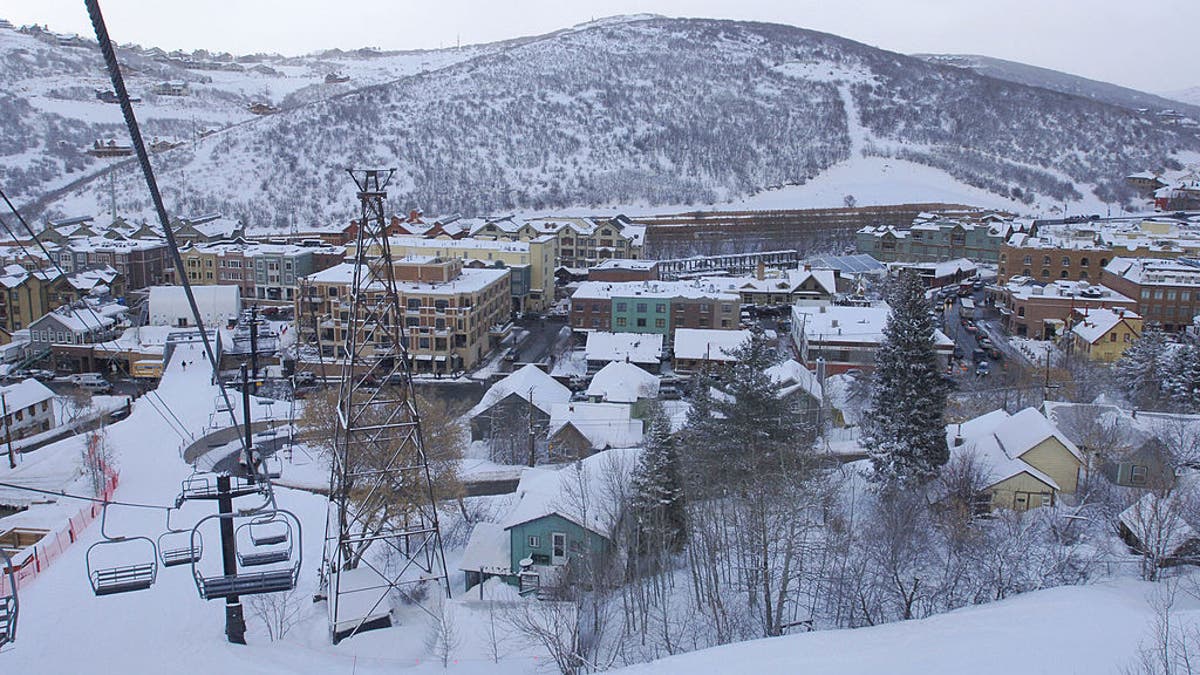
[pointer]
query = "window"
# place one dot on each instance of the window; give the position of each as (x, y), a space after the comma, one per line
(661, 308)
(1045, 274)
(1112, 337)
(622, 306)
(1083, 274)
(641, 323)
(641, 308)
(1062, 274)
(535, 541)
(1066, 262)
(620, 321)
(1137, 474)
(705, 307)
(1084, 262)
(660, 323)
(1045, 260)
(726, 308)
(1028, 260)
(413, 304)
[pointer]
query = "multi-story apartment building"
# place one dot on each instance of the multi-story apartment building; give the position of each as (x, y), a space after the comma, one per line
(580, 242)
(265, 273)
(1044, 311)
(653, 306)
(1080, 251)
(530, 262)
(931, 239)
(1166, 291)
(448, 310)
(142, 262)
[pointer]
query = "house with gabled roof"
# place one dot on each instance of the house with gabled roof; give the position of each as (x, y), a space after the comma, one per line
(1105, 334)
(578, 429)
(1023, 459)
(528, 394)
(562, 517)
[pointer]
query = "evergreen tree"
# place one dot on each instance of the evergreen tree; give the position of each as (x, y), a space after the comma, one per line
(657, 483)
(1142, 368)
(903, 429)
(1182, 379)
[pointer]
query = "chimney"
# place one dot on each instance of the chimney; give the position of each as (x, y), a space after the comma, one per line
(958, 439)
(760, 272)
(807, 267)
(834, 323)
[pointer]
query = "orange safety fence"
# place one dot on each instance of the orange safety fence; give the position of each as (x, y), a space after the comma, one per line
(38, 558)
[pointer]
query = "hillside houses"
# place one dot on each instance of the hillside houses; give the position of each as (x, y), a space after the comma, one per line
(578, 429)
(1023, 460)
(514, 413)
(561, 517)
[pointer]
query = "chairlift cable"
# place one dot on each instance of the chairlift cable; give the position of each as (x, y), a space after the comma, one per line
(58, 268)
(95, 500)
(139, 146)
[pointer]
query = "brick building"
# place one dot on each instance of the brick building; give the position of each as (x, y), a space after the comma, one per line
(1044, 311)
(653, 307)
(1165, 291)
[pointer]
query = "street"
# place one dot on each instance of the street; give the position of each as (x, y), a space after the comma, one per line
(1004, 371)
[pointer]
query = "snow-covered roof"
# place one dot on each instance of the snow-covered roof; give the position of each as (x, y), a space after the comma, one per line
(603, 290)
(997, 440)
(488, 550)
(621, 382)
(1162, 521)
(582, 492)
(791, 376)
(709, 344)
(606, 425)
(531, 384)
(631, 347)
(25, 393)
(626, 264)
(78, 320)
(1098, 322)
(1156, 271)
(842, 324)
(469, 280)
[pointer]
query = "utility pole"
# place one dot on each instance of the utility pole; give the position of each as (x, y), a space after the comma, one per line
(12, 458)
(235, 619)
(251, 464)
(532, 444)
(253, 348)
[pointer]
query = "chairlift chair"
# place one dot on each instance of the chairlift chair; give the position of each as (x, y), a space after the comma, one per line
(282, 577)
(267, 537)
(8, 602)
(203, 486)
(176, 547)
(113, 579)
(273, 467)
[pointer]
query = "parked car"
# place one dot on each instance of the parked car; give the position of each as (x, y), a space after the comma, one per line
(511, 355)
(983, 369)
(995, 353)
(41, 375)
(305, 378)
(972, 328)
(978, 355)
(670, 393)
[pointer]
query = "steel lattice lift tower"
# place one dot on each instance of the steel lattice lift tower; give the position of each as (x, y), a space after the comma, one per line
(382, 539)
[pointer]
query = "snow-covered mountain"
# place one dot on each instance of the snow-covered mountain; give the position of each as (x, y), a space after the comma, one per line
(638, 111)
(1065, 83)
(1190, 95)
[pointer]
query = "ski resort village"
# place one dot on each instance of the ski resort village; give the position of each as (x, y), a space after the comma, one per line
(647, 345)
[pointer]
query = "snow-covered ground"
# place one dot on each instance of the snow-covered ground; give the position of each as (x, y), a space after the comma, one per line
(1079, 629)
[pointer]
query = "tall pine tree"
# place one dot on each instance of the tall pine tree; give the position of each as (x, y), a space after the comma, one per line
(658, 498)
(903, 429)
(1142, 368)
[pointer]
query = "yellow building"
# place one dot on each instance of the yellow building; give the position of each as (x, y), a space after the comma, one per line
(448, 310)
(1104, 334)
(530, 262)
(1023, 459)
(580, 243)
(26, 296)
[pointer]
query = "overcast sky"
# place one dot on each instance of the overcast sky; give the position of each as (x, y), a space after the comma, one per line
(1146, 45)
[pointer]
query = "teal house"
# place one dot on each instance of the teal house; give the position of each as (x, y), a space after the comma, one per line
(638, 314)
(563, 517)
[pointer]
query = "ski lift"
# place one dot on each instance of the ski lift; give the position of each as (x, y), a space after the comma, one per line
(282, 577)
(270, 538)
(123, 578)
(203, 486)
(272, 466)
(176, 547)
(8, 601)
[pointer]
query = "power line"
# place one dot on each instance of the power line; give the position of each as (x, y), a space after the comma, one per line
(58, 268)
